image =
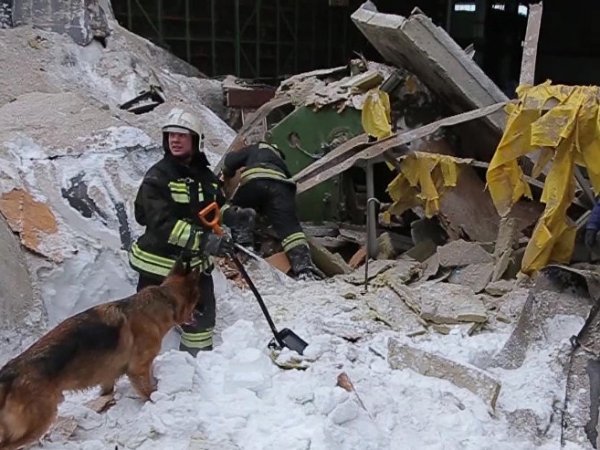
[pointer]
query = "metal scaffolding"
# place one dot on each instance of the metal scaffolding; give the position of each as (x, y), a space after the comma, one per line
(261, 39)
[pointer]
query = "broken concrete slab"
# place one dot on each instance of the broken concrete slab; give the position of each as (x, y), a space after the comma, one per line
(501, 287)
(375, 268)
(432, 266)
(444, 303)
(82, 20)
(462, 253)
(479, 382)
(475, 276)
(421, 251)
(508, 235)
(392, 311)
(424, 229)
(415, 43)
(329, 263)
(400, 271)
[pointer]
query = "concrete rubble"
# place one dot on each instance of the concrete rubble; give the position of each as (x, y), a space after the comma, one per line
(402, 356)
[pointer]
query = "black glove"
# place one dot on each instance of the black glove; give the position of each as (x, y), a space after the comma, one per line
(590, 238)
(215, 245)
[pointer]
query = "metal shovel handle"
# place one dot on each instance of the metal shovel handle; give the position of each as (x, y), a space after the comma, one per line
(214, 224)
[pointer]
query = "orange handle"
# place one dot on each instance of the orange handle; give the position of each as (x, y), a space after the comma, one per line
(213, 223)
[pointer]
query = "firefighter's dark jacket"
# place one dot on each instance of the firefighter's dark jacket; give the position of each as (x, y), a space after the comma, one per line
(260, 161)
(167, 204)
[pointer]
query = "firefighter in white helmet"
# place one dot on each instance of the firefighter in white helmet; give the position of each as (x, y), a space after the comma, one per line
(172, 193)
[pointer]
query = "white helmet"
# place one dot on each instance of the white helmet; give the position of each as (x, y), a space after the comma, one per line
(180, 121)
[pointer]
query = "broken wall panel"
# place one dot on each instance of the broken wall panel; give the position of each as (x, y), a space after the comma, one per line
(416, 44)
(83, 20)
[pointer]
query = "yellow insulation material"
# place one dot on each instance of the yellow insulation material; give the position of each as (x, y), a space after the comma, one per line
(562, 123)
(375, 117)
(422, 180)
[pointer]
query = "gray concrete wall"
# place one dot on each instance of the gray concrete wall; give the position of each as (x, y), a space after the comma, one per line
(16, 292)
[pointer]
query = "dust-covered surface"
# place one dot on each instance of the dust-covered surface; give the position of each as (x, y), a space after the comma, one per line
(65, 142)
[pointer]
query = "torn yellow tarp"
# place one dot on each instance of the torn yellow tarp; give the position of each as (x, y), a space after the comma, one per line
(561, 122)
(375, 117)
(422, 180)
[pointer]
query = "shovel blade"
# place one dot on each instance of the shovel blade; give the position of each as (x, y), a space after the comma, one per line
(290, 340)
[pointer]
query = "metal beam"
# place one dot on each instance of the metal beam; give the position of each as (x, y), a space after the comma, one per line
(213, 36)
(188, 34)
(238, 62)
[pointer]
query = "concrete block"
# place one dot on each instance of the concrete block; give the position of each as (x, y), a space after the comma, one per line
(402, 356)
(475, 276)
(463, 253)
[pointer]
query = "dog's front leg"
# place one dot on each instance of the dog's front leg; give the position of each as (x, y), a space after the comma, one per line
(139, 370)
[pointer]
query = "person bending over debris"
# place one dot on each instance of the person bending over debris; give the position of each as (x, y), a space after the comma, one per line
(172, 193)
(266, 186)
(591, 232)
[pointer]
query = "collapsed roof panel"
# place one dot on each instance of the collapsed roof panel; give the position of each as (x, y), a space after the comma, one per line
(418, 45)
(83, 20)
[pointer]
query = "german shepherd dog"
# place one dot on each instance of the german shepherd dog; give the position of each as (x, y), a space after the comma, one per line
(92, 348)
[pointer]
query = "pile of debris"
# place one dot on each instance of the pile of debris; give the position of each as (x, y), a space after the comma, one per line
(79, 126)
(454, 241)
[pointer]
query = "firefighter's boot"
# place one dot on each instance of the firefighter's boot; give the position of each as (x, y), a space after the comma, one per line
(302, 265)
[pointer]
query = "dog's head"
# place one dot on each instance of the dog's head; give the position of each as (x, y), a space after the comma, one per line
(184, 281)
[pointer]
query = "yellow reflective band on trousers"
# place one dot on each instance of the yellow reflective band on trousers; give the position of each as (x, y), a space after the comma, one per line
(294, 240)
(159, 265)
(200, 339)
(261, 172)
(181, 235)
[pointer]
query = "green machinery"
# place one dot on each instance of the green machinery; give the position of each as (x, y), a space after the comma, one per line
(306, 135)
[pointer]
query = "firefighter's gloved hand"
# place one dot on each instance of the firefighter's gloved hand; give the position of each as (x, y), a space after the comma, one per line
(216, 245)
(590, 238)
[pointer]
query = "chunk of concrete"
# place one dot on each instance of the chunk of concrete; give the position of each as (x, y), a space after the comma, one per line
(81, 19)
(401, 271)
(421, 251)
(501, 287)
(508, 232)
(479, 382)
(443, 302)
(462, 253)
(475, 276)
(16, 292)
(375, 268)
(424, 229)
(330, 263)
(392, 311)
(417, 44)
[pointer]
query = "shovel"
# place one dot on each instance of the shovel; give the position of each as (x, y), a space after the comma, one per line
(285, 337)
